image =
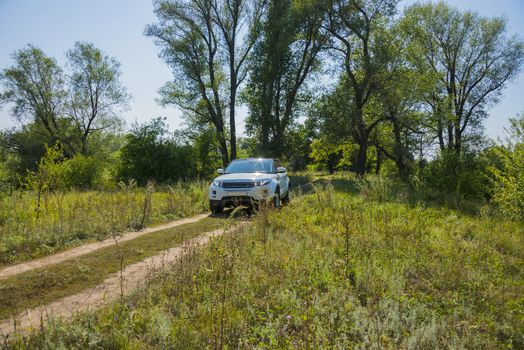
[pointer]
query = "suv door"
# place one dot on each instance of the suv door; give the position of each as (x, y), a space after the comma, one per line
(283, 181)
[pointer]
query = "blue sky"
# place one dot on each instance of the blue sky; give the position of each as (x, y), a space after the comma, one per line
(116, 27)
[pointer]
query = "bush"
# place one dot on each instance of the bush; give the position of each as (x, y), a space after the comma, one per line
(56, 172)
(456, 178)
(507, 173)
(6, 179)
(151, 154)
(376, 188)
(82, 172)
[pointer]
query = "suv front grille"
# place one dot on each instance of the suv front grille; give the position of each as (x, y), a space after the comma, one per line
(238, 184)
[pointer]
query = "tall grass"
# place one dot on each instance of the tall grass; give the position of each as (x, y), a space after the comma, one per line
(69, 218)
(329, 271)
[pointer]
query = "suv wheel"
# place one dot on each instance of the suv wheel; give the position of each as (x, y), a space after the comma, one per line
(286, 199)
(215, 209)
(276, 199)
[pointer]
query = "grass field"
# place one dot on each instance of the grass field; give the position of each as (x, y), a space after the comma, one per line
(334, 269)
(43, 285)
(72, 218)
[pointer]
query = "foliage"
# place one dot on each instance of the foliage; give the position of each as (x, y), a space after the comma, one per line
(284, 62)
(50, 174)
(34, 86)
(97, 96)
(332, 155)
(359, 36)
(456, 177)
(152, 154)
(471, 57)
(206, 151)
(328, 271)
(195, 37)
(392, 267)
(25, 146)
(70, 218)
(79, 110)
(83, 172)
(508, 173)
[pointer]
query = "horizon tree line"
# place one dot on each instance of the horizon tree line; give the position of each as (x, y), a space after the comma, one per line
(367, 83)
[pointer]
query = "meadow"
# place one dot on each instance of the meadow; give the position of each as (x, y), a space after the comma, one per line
(346, 265)
(68, 218)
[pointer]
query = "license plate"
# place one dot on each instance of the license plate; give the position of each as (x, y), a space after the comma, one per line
(236, 193)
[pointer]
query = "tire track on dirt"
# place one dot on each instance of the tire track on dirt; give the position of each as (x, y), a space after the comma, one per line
(113, 287)
(90, 247)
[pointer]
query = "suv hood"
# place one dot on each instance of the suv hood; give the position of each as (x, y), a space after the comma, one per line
(245, 176)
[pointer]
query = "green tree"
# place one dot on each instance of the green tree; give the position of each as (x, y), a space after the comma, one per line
(202, 41)
(508, 173)
(84, 107)
(188, 37)
(49, 174)
(326, 153)
(25, 144)
(359, 37)
(34, 86)
(96, 95)
(399, 98)
(471, 58)
(205, 145)
(331, 154)
(234, 18)
(152, 154)
(283, 59)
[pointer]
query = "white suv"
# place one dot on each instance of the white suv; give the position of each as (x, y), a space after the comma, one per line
(248, 181)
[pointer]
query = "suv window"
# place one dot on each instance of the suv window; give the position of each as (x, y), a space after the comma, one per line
(250, 166)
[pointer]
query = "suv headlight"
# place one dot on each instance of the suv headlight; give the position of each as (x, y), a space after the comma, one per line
(262, 182)
(217, 183)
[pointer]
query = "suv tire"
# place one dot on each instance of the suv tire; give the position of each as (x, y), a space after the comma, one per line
(215, 209)
(286, 199)
(276, 199)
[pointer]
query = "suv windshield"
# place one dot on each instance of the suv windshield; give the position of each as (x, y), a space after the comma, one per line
(250, 166)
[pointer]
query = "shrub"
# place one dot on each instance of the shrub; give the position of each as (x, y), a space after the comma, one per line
(507, 173)
(82, 172)
(377, 188)
(152, 154)
(455, 177)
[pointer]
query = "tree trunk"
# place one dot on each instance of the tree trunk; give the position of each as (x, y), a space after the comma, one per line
(378, 162)
(223, 149)
(83, 145)
(232, 103)
(232, 126)
(362, 140)
(331, 167)
(440, 136)
(222, 142)
(450, 136)
(360, 166)
(458, 139)
(400, 159)
(278, 142)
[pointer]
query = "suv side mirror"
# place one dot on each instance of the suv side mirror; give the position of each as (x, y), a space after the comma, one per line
(220, 171)
(281, 169)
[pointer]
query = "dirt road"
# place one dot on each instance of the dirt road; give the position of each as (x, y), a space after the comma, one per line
(89, 248)
(110, 289)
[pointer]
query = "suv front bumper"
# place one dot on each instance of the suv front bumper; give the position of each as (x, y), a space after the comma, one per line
(222, 197)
